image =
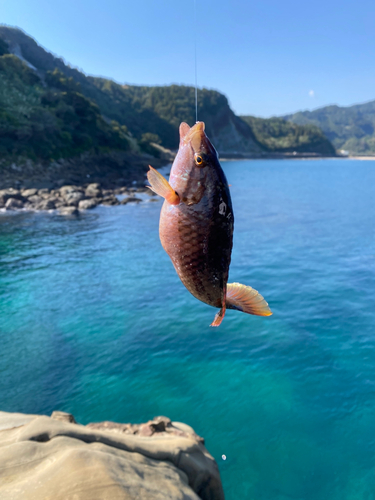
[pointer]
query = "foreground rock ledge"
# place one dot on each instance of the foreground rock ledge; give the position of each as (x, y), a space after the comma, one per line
(54, 458)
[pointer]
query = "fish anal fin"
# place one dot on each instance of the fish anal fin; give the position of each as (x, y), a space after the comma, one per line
(246, 299)
(219, 316)
(161, 186)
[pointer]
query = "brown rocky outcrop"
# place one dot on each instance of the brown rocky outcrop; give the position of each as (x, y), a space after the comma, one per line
(13, 203)
(45, 458)
(93, 190)
(68, 210)
(70, 199)
(87, 204)
(130, 199)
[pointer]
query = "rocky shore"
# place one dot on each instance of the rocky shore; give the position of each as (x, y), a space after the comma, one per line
(55, 458)
(70, 199)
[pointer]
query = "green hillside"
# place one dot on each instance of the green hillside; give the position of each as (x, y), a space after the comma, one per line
(49, 110)
(278, 135)
(350, 128)
(157, 110)
(49, 120)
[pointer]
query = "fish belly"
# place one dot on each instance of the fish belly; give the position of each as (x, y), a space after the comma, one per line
(199, 244)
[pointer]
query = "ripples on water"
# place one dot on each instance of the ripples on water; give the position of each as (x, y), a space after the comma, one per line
(94, 321)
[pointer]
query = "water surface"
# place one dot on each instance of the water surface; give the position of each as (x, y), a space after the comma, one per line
(94, 321)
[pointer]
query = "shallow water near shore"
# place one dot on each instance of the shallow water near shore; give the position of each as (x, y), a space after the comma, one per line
(94, 321)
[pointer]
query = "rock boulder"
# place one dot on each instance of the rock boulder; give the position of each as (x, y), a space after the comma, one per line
(87, 204)
(130, 199)
(93, 190)
(13, 204)
(64, 210)
(56, 458)
(29, 192)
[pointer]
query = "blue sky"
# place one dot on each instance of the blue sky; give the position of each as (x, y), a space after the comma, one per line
(268, 57)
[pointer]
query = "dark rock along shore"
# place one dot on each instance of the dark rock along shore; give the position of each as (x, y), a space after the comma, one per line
(45, 458)
(69, 199)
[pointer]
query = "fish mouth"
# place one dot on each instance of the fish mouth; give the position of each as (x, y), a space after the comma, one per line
(194, 134)
(197, 139)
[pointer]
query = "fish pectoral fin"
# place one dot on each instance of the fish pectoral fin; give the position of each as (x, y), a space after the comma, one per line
(161, 186)
(246, 299)
(219, 316)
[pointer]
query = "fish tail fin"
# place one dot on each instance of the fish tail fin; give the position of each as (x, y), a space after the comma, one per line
(219, 316)
(161, 186)
(246, 299)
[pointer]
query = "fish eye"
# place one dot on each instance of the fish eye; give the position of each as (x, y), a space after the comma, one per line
(198, 159)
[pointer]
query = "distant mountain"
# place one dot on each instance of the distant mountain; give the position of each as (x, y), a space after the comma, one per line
(156, 110)
(281, 136)
(49, 110)
(349, 128)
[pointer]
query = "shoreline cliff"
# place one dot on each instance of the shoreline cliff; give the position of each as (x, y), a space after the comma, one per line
(54, 457)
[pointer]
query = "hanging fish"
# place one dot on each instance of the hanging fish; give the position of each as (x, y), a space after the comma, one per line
(196, 225)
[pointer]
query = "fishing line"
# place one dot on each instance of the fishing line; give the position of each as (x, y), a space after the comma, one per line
(195, 60)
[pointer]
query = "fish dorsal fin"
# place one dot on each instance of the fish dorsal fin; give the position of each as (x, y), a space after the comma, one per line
(184, 129)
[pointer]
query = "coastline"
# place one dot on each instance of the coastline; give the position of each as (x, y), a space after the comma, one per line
(364, 158)
(111, 170)
(70, 199)
(273, 156)
(289, 156)
(77, 184)
(55, 457)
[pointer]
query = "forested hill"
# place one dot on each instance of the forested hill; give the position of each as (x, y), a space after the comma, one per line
(350, 128)
(278, 135)
(155, 110)
(50, 110)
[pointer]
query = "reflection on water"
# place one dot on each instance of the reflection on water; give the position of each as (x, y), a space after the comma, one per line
(94, 320)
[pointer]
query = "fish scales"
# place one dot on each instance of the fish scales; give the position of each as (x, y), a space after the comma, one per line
(199, 242)
(196, 225)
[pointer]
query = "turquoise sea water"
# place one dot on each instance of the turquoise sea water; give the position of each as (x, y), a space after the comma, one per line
(94, 321)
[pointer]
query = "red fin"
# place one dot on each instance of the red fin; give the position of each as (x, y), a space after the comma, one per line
(161, 186)
(219, 317)
(246, 299)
